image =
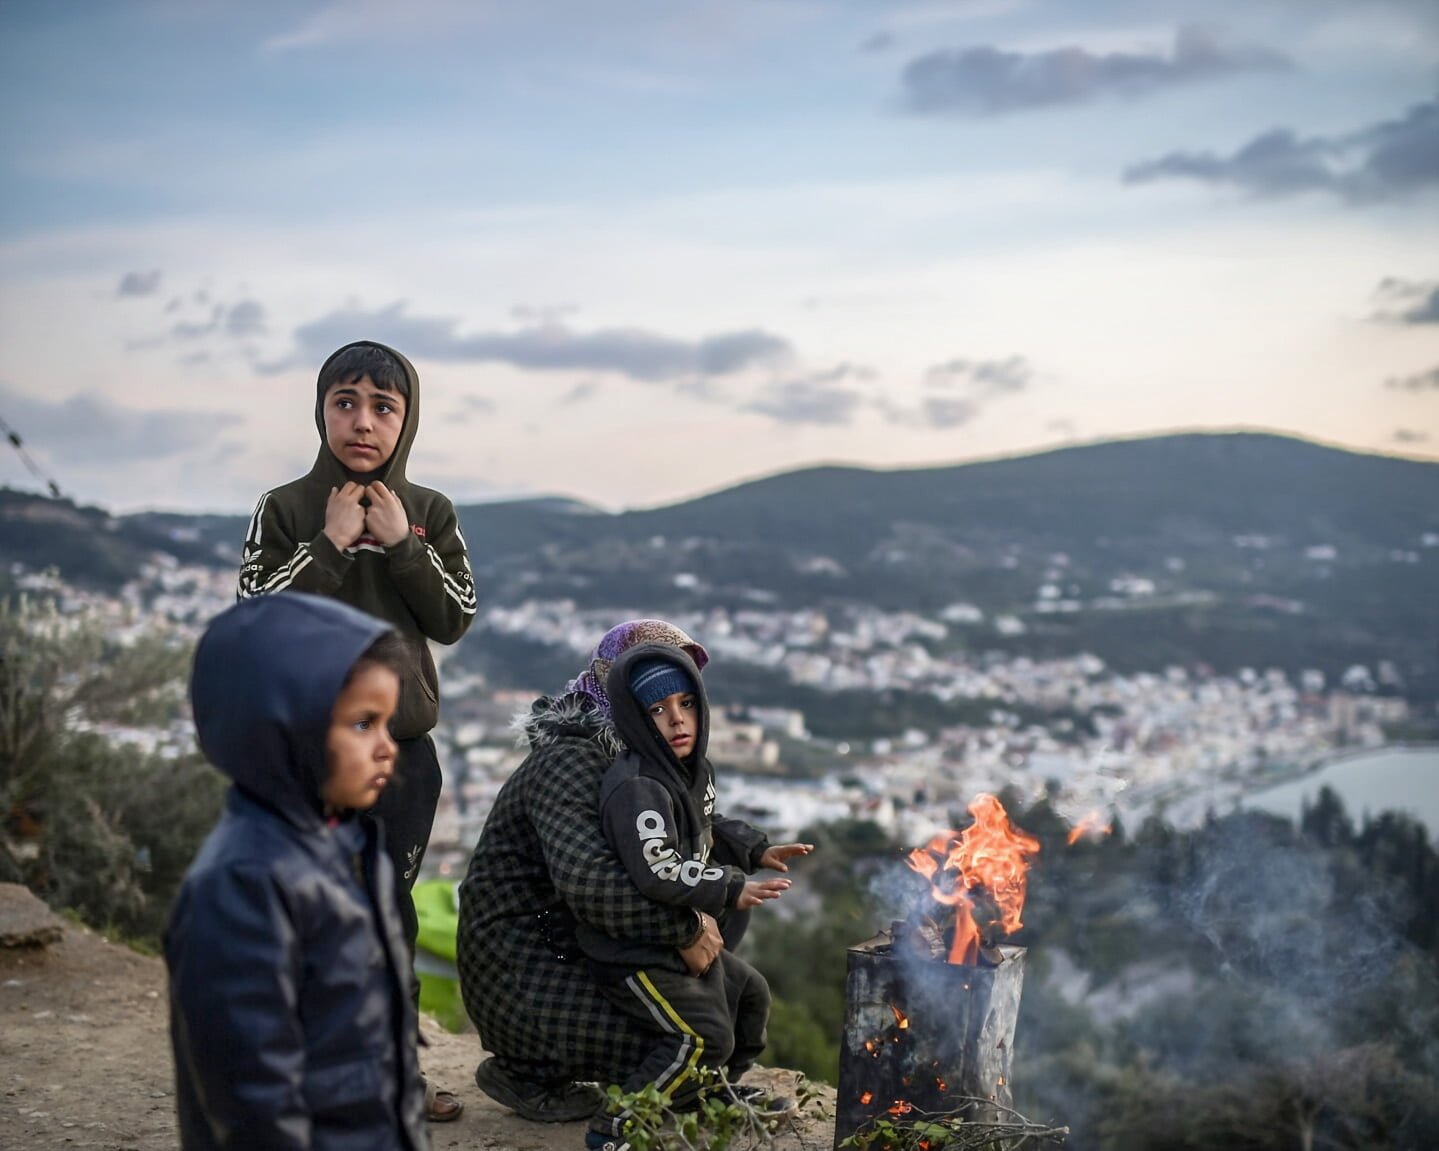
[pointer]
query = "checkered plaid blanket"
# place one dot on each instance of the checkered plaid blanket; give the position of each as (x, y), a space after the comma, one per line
(541, 862)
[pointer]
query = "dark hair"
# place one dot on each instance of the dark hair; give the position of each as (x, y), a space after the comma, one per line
(390, 651)
(350, 364)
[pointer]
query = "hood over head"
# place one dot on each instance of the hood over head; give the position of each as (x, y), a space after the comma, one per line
(267, 673)
(620, 639)
(392, 472)
(633, 721)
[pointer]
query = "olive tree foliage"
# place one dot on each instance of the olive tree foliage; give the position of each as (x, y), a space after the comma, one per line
(103, 800)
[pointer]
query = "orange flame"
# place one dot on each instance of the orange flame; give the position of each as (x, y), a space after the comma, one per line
(867, 1098)
(1090, 826)
(990, 853)
(900, 1107)
(899, 1017)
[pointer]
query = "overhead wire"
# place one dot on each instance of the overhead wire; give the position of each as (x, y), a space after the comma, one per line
(28, 460)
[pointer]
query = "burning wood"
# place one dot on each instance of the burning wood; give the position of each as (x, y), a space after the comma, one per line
(932, 1004)
(979, 875)
(925, 1035)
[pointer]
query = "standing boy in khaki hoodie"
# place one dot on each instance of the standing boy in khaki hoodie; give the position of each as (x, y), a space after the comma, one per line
(356, 529)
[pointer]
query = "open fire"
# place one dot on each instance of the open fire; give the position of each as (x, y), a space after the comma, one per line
(980, 875)
(1090, 826)
(931, 1004)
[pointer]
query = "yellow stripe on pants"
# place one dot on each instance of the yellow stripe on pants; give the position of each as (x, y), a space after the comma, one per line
(688, 1066)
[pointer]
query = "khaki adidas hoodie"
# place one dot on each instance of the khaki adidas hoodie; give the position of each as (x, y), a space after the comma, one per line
(423, 586)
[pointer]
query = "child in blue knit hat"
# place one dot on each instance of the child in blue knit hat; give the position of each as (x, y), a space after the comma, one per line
(657, 809)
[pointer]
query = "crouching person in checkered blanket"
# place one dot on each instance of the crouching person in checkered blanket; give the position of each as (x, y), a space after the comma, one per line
(542, 863)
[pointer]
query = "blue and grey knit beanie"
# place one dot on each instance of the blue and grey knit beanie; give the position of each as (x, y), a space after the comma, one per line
(652, 680)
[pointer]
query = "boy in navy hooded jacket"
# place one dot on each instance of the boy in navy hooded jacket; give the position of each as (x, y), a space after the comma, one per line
(657, 809)
(290, 1017)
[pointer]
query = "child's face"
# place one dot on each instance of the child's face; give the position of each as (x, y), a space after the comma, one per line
(363, 423)
(676, 718)
(359, 751)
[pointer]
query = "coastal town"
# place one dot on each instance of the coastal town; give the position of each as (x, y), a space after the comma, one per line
(1178, 742)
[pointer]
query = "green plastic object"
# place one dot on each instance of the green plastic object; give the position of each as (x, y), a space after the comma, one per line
(438, 909)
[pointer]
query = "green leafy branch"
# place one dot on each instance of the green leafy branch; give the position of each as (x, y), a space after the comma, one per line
(954, 1130)
(720, 1120)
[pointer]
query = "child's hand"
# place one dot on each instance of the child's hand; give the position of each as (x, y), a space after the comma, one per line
(385, 519)
(756, 891)
(700, 955)
(774, 858)
(344, 517)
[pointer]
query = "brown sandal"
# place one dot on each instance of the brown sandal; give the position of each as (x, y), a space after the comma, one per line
(442, 1106)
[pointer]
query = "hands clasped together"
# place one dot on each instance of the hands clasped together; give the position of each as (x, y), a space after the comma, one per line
(347, 519)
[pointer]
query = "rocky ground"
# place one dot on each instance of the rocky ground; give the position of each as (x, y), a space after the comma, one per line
(85, 1055)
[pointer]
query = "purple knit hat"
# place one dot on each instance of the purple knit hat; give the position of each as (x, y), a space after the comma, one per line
(620, 639)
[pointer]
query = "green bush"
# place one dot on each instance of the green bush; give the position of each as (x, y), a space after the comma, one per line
(89, 819)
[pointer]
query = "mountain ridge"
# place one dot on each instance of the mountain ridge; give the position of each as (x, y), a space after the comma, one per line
(1230, 549)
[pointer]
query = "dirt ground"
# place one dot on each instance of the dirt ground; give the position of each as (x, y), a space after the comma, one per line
(85, 1062)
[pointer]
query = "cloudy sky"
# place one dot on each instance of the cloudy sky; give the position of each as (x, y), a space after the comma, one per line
(640, 249)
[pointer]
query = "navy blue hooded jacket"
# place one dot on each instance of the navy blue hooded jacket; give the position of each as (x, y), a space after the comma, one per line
(658, 814)
(289, 1013)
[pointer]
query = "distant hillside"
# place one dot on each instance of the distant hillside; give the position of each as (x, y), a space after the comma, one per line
(1261, 550)
(1134, 504)
(94, 549)
(1125, 497)
(1245, 549)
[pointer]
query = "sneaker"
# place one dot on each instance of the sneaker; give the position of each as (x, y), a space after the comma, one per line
(598, 1141)
(537, 1102)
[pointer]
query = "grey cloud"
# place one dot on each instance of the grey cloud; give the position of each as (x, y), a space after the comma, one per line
(985, 80)
(1418, 382)
(246, 318)
(1410, 436)
(580, 392)
(1275, 163)
(826, 398)
(542, 314)
(631, 352)
(192, 329)
(931, 412)
(139, 283)
(948, 411)
(88, 429)
(879, 42)
(470, 405)
(1383, 160)
(1403, 154)
(985, 377)
(731, 351)
(969, 387)
(1408, 301)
